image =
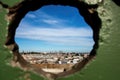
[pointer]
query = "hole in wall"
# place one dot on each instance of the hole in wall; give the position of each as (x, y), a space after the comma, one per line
(54, 38)
(17, 12)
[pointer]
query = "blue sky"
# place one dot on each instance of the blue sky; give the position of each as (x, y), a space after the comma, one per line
(54, 28)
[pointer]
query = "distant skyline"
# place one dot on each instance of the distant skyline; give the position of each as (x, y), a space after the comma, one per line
(54, 28)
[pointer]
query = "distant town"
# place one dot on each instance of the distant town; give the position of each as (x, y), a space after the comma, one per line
(53, 57)
(54, 62)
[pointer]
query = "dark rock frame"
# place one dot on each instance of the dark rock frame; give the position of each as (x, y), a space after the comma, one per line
(18, 11)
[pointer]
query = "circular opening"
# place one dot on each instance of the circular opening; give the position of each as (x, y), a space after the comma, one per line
(54, 38)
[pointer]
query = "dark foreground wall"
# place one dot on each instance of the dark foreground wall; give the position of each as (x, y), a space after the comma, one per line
(104, 67)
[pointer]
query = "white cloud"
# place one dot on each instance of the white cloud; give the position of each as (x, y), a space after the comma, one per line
(49, 21)
(43, 17)
(67, 36)
(31, 16)
(64, 31)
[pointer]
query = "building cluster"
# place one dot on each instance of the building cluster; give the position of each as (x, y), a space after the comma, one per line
(53, 58)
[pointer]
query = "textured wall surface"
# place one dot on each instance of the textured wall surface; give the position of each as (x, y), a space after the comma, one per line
(106, 65)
